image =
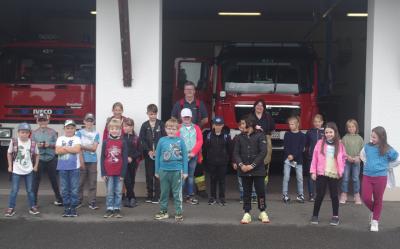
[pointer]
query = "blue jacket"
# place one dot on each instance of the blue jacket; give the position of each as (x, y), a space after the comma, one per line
(377, 165)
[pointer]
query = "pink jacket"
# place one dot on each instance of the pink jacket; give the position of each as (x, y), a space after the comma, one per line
(318, 162)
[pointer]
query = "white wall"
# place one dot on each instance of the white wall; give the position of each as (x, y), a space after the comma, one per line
(145, 20)
(382, 93)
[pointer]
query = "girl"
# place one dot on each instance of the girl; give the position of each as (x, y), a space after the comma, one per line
(117, 110)
(376, 156)
(353, 144)
(327, 168)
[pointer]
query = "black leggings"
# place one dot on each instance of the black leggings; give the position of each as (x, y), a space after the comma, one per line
(129, 180)
(322, 182)
(259, 185)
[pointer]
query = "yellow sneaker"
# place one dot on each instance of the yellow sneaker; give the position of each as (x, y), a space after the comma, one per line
(246, 219)
(263, 217)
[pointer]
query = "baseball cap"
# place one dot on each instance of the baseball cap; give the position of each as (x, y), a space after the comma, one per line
(218, 120)
(24, 126)
(186, 112)
(89, 116)
(42, 116)
(69, 122)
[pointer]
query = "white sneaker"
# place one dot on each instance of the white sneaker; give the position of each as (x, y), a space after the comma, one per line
(374, 226)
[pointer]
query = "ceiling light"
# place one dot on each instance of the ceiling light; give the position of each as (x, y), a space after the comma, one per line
(239, 13)
(357, 14)
(93, 12)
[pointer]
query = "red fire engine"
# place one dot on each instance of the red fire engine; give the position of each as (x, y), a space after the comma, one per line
(50, 76)
(283, 74)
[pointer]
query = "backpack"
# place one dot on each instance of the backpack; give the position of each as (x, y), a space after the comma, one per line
(31, 150)
(182, 103)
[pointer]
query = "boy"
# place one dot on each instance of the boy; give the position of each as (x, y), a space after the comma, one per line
(23, 159)
(90, 140)
(114, 160)
(68, 148)
(249, 153)
(171, 163)
(293, 148)
(191, 134)
(216, 148)
(134, 154)
(150, 133)
(46, 138)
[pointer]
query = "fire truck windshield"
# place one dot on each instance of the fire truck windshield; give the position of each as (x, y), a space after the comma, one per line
(47, 65)
(267, 76)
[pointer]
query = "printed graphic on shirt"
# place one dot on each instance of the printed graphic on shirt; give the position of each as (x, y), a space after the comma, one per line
(23, 157)
(113, 154)
(173, 152)
(68, 161)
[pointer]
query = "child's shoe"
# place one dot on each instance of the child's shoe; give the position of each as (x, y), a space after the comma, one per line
(10, 212)
(334, 221)
(374, 226)
(263, 217)
(311, 198)
(314, 220)
(246, 219)
(117, 213)
(148, 199)
(93, 206)
(178, 217)
(211, 201)
(300, 198)
(58, 203)
(357, 199)
(34, 211)
(73, 212)
(133, 203)
(222, 202)
(66, 212)
(343, 198)
(109, 213)
(161, 215)
(285, 199)
(241, 200)
(193, 200)
(155, 200)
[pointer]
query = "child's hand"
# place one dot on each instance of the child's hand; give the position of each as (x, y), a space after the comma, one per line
(129, 159)
(121, 178)
(157, 176)
(234, 165)
(105, 178)
(184, 176)
(191, 155)
(313, 176)
(151, 153)
(36, 168)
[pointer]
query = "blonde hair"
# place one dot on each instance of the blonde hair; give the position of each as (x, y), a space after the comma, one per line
(172, 122)
(352, 121)
(114, 123)
(118, 104)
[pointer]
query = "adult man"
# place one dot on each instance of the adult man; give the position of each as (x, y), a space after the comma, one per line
(45, 139)
(198, 108)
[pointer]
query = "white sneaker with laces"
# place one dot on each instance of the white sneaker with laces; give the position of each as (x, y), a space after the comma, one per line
(374, 226)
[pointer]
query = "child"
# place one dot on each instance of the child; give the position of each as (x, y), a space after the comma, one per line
(249, 152)
(114, 160)
(68, 148)
(150, 133)
(134, 154)
(376, 155)
(90, 140)
(327, 168)
(312, 137)
(293, 147)
(117, 110)
(353, 144)
(191, 134)
(46, 138)
(171, 162)
(23, 159)
(216, 158)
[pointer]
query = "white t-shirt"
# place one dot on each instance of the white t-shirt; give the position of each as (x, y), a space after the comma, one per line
(68, 161)
(22, 164)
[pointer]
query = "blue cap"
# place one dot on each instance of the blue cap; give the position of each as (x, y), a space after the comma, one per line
(218, 120)
(24, 126)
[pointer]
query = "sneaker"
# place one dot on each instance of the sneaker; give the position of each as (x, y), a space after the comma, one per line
(93, 206)
(314, 220)
(222, 202)
(109, 213)
(311, 198)
(300, 198)
(161, 215)
(148, 199)
(73, 212)
(241, 200)
(211, 201)
(263, 217)
(254, 199)
(79, 205)
(155, 200)
(34, 211)
(246, 219)
(9, 212)
(334, 221)
(178, 217)
(193, 200)
(66, 213)
(58, 203)
(374, 226)
(133, 203)
(343, 198)
(117, 213)
(285, 199)
(357, 199)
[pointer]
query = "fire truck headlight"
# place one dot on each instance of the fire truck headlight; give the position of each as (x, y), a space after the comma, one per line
(5, 133)
(222, 94)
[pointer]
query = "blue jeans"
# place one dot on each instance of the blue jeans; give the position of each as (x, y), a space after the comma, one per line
(354, 168)
(69, 183)
(15, 187)
(189, 183)
(286, 178)
(114, 192)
